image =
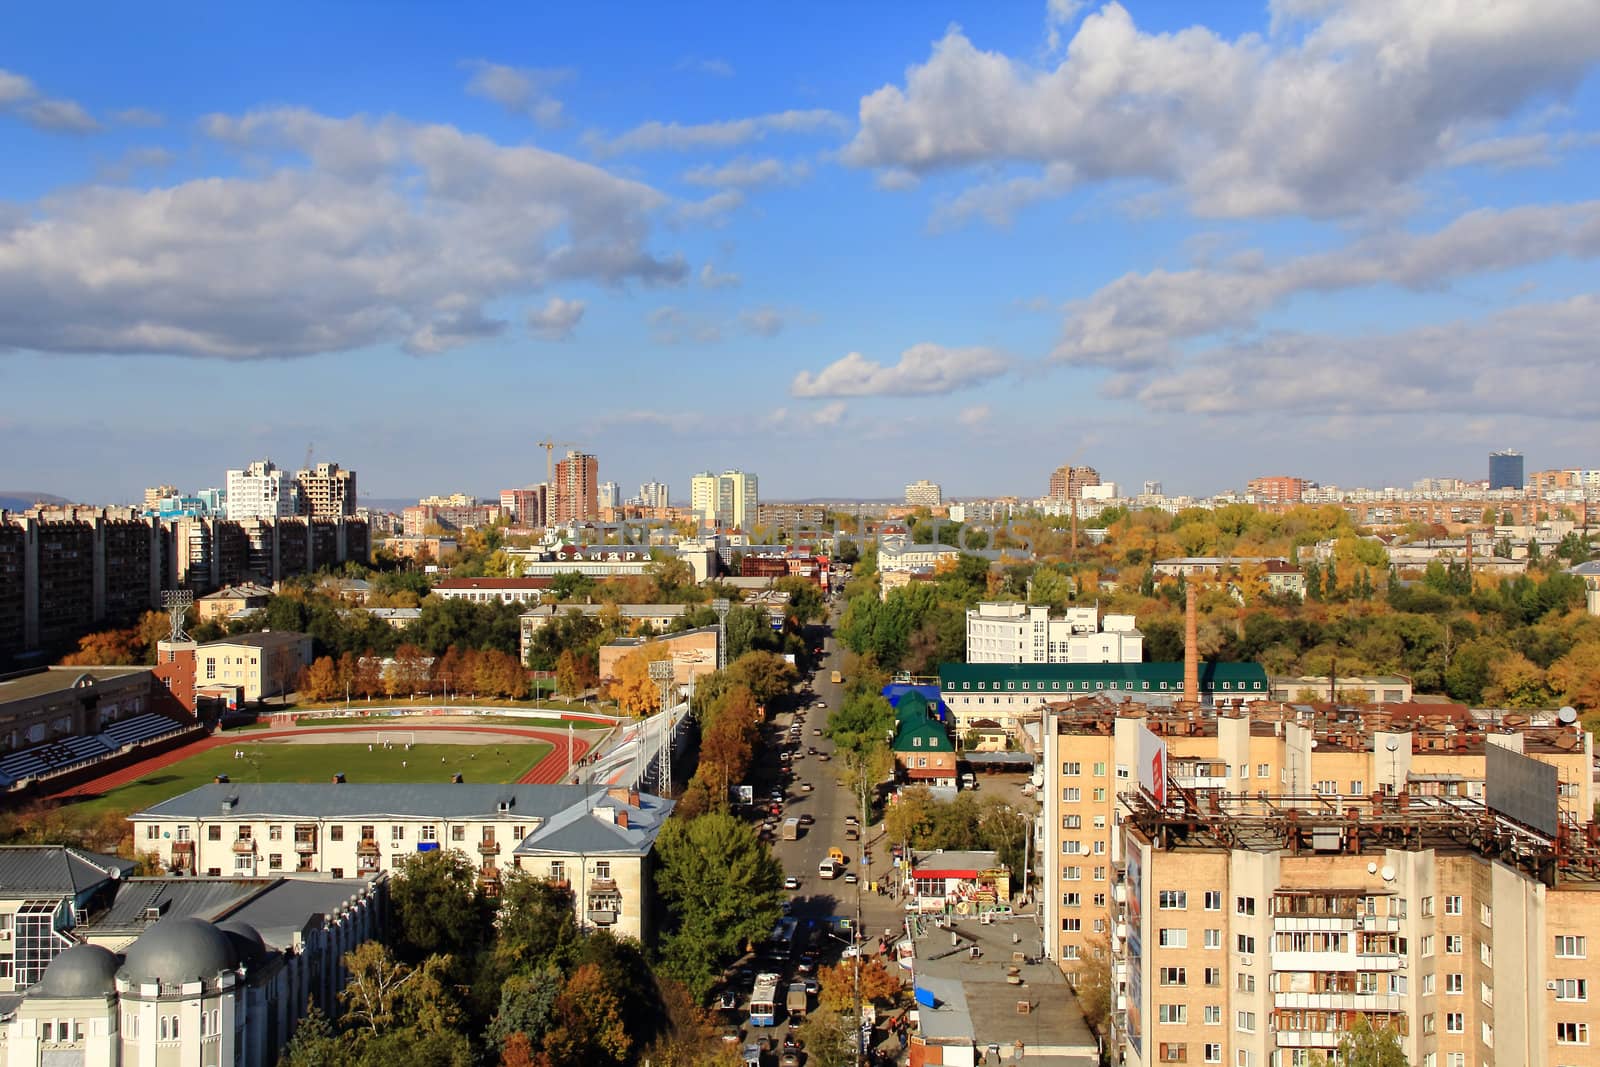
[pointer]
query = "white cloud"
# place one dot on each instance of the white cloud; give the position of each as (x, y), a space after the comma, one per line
(1059, 14)
(1139, 320)
(763, 322)
(520, 90)
(975, 417)
(710, 279)
(924, 369)
(556, 320)
(672, 326)
(355, 231)
(150, 157)
(138, 116)
(1337, 119)
(713, 208)
(1506, 364)
(678, 137)
(999, 202)
(745, 172)
(21, 98)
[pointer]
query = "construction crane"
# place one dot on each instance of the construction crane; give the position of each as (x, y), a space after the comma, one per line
(550, 462)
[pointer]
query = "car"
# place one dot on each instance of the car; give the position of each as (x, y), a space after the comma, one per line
(824, 757)
(792, 1043)
(850, 878)
(805, 787)
(821, 705)
(728, 1002)
(732, 1036)
(807, 819)
(791, 883)
(866, 858)
(790, 1059)
(816, 731)
(812, 986)
(811, 750)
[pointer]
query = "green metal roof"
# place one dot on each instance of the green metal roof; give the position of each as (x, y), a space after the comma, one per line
(929, 731)
(1098, 677)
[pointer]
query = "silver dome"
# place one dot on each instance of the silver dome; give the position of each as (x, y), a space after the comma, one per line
(246, 941)
(174, 951)
(81, 971)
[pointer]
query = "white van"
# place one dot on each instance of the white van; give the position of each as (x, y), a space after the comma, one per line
(969, 781)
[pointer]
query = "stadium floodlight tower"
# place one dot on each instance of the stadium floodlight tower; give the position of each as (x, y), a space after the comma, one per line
(661, 672)
(721, 606)
(177, 602)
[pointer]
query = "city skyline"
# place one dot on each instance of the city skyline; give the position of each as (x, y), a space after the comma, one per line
(972, 245)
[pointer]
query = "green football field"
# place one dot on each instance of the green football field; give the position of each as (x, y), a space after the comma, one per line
(267, 762)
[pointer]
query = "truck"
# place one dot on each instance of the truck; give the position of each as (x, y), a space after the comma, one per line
(828, 869)
(799, 1002)
(837, 677)
(791, 829)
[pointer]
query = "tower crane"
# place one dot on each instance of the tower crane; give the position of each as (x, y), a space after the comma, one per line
(549, 459)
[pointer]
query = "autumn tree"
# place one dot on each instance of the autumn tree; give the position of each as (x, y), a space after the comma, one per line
(371, 998)
(320, 681)
(569, 677)
(1575, 677)
(766, 674)
(1362, 1045)
(106, 648)
(409, 673)
(837, 985)
(589, 1026)
(634, 690)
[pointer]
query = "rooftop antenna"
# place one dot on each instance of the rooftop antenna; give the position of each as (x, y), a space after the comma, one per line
(177, 602)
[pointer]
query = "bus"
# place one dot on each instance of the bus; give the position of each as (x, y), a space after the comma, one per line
(764, 1001)
(782, 939)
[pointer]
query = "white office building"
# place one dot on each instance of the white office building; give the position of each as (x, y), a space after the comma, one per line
(609, 495)
(728, 499)
(924, 494)
(1023, 633)
(654, 494)
(262, 491)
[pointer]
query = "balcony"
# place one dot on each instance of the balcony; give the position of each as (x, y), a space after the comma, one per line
(1308, 1038)
(183, 848)
(368, 846)
(603, 885)
(489, 848)
(243, 845)
(603, 916)
(1350, 1001)
(304, 847)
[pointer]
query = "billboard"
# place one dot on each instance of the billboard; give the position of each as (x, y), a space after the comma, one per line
(1522, 789)
(1153, 766)
(1134, 1027)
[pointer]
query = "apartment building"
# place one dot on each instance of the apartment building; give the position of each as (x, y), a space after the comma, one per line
(492, 590)
(791, 516)
(1272, 763)
(924, 493)
(654, 495)
(1013, 693)
(597, 841)
(525, 507)
(1013, 632)
(575, 496)
(1066, 483)
(43, 890)
(325, 491)
(257, 665)
(730, 499)
(262, 490)
(1278, 489)
(417, 520)
(923, 751)
(231, 600)
(210, 553)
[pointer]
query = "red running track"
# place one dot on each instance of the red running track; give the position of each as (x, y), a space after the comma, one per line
(548, 771)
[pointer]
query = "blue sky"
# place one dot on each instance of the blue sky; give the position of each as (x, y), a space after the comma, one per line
(842, 246)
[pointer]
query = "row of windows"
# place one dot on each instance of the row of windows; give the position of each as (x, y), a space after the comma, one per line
(1085, 686)
(397, 832)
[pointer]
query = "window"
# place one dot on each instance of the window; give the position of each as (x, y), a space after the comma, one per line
(274, 833)
(1072, 822)
(1099, 822)
(458, 833)
(1245, 1022)
(1213, 976)
(1244, 905)
(1177, 1014)
(1213, 1052)
(1099, 900)
(152, 832)
(1355, 787)
(1071, 796)
(1429, 1025)
(1174, 976)
(1486, 914)
(1213, 1014)
(336, 833)
(558, 871)
(397, 833)
(1263, 770)
(1452, 905)
(1452, 944)
(1072, 926)
(1427, 985)
(1100, 795)
(1456, 1059)
(1100, 768)
(1072, 874)
(243, 863)
(428, 833)
(1453, 983)
(1173, 900)
(1244, 983)
(1174, 1052)
(1486, 953)
(1072, 848)
(1427, 906)
(1071, 770)
(1486, 1034)
(369, 833)
(1427, 945)
(275, 861)
(1071, 900)
(213, 833)
(1099, 848)
(1454, 1022)
(1246, 944)
(1571, 946)
(1099, 874)
(1099, 926)
(1213, 900)
(1069, 952)
(1572, 1033)
(1486, 993)
(1213, 939)
(1572, 989)
(1172, 937)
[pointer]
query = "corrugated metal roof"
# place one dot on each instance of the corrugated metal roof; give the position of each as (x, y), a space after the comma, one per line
(56, 869)
(1055, 677)
(60, 679)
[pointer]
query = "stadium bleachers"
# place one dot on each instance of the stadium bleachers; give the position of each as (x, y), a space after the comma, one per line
(67, 753)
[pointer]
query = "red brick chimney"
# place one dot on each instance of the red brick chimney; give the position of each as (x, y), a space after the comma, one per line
(1191, 646)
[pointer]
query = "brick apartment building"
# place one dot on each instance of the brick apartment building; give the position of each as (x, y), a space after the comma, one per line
(1067, 482)
(1278, 489)
(576, 494)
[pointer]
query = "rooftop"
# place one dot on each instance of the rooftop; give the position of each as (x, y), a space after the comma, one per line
(264, 639)
(493, 583)
(60, 679)
(30, 869)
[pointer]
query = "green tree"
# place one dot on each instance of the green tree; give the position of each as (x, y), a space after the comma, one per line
(527, 1006)
(437, 905)
(723, 889)
(315, 1044)
(766, 674)
(571, 585)
(537, 921)
(1050, 587)
(864, 720)
(1364, 1046)
(829, 1038)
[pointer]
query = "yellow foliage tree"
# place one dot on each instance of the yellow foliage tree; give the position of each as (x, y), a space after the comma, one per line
(635, 691)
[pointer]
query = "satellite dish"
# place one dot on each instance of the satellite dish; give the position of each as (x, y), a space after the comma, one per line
(1568, 714)
(1313, 742)
(1388, 874)
(1372, 868)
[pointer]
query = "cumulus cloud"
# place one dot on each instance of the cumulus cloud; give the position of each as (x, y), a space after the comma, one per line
(713, 280)
(1139, 320)
(923, 370)
(150, 157)
(1057, 15)
(763, 322)
(355, 232)
(138, 116)
(672, 326)
(679, 137)
(998, 202)
(1334, 119)
(713, 209)
(23, 100)
(1501, 365)
(520, 90)
(556, 320)
(745, 173)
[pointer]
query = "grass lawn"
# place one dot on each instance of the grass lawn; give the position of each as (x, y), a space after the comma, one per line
(268, 762)
(398, 722)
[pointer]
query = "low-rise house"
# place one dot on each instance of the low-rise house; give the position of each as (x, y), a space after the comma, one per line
(398, 618)
(956, 883)
(232, 600)
(258, 665)
(923, 751)
(600, 842)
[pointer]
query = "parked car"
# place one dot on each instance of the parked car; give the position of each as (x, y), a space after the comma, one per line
(850, 878)
(791, 883)
(790, 1059)
(807, 819)
(805, 787)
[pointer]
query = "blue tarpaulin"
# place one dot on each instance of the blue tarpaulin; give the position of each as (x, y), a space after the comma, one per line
(926, 998)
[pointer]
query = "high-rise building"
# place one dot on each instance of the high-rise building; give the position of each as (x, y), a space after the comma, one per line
(156, 494)
(526, 507)
(654, 495)
(1505, 469)
(1066, 483)
(576, 495)
(1153, 489)
(924, 494)
(727, 499)
(609, 495)
(262, 491)
(1278, 489)
(326, 491)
